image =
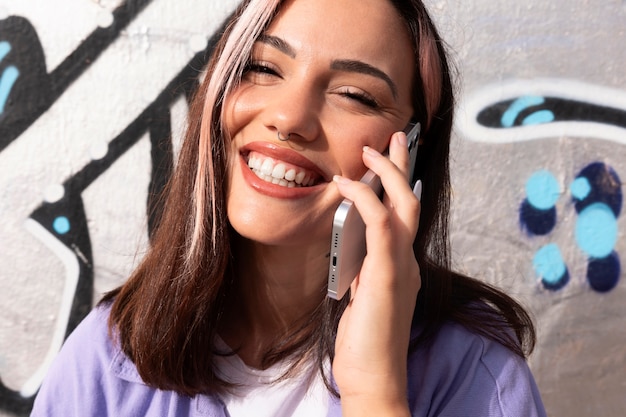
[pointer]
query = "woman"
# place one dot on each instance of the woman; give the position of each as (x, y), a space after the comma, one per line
(227, 313)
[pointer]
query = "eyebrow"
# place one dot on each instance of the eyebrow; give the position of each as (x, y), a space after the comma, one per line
(367, 69)
(347, 65)
(279, 44)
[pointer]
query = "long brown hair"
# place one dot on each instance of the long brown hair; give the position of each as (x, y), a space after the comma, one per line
(166, 316)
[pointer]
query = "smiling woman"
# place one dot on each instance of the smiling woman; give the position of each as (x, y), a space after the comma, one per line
(227, 313)
(333, 92)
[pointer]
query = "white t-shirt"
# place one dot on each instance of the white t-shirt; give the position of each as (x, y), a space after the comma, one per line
(304, 395)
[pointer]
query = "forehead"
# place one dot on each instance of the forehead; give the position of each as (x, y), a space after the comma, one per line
(369, 30)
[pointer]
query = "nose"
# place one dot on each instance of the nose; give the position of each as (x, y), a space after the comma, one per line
(294, 110)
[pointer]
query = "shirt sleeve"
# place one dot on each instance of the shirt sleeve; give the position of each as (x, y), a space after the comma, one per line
(462, 374)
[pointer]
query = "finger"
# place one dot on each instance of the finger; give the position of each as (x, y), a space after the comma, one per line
(399, 156)
(364, 198)
(374, 214)
(386, 235)
(399, 152)
(390, 271)
(399, 197)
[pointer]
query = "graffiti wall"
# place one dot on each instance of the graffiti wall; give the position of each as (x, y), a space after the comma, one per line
(539, 163)
(93, 96)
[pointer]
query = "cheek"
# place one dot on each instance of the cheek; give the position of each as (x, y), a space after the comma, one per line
(349, 153)
(239, 109)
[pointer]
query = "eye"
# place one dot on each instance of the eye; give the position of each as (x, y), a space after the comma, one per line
(260, 68)
(361, 97)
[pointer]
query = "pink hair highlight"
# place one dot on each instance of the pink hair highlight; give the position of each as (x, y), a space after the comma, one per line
(227, 73)
(430, 69)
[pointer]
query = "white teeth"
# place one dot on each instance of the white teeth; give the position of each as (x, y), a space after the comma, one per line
(279, 171)
(279, 174)
(290, 175)
(256, 164)
(267, 167)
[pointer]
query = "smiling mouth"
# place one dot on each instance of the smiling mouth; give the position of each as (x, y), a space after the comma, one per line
(281, 173)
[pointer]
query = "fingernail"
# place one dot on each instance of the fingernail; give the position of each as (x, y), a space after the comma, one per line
(417, 190)
(370, 151)
(402, 140)
(340, 180)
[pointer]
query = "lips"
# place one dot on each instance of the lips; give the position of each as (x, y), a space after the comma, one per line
(280, 172)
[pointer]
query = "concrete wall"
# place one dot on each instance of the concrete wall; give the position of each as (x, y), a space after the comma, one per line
(538, 168)
(90, 91)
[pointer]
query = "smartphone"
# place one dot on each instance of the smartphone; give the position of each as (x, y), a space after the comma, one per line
(347, 247)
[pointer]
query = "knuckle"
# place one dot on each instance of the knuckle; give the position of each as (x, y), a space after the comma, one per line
(384, 221)
(413, 204)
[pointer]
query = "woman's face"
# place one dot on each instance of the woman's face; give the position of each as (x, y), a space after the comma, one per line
(334, 75)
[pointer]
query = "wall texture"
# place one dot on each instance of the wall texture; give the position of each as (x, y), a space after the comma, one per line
(91, 90)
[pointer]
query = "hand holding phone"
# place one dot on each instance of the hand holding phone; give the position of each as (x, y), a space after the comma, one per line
(347, 248)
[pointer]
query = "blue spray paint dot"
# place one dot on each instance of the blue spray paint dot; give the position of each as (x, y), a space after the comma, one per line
(537, 222)
(61, 225)
(603, 274)
(548, 264)
(542, 190)
(538, 118)
(596, 230)
(557, 285)
(580, 188)
(606, 187)
(509, 116)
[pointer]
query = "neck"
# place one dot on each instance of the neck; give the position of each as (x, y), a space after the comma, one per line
(276, 288)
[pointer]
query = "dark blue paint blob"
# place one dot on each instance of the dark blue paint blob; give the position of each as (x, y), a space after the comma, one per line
(555, 285)
(535, 221)
(603, 274)
(605, 187)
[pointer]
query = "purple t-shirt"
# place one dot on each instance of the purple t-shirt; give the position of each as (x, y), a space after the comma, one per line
(458, 374)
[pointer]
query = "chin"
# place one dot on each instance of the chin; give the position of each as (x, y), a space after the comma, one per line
(277, 221)
(282, 233)
(280, 227)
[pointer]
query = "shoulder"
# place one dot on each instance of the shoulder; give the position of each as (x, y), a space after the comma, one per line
(91, 376)
(463, 373)
(91, 348)
(88, 347)
(80, 367)
(82, 377)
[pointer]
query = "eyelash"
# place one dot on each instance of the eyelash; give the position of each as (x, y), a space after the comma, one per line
(362, 98)
(261, 68)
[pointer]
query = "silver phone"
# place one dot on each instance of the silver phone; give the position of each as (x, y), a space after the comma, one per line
(347, 247)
